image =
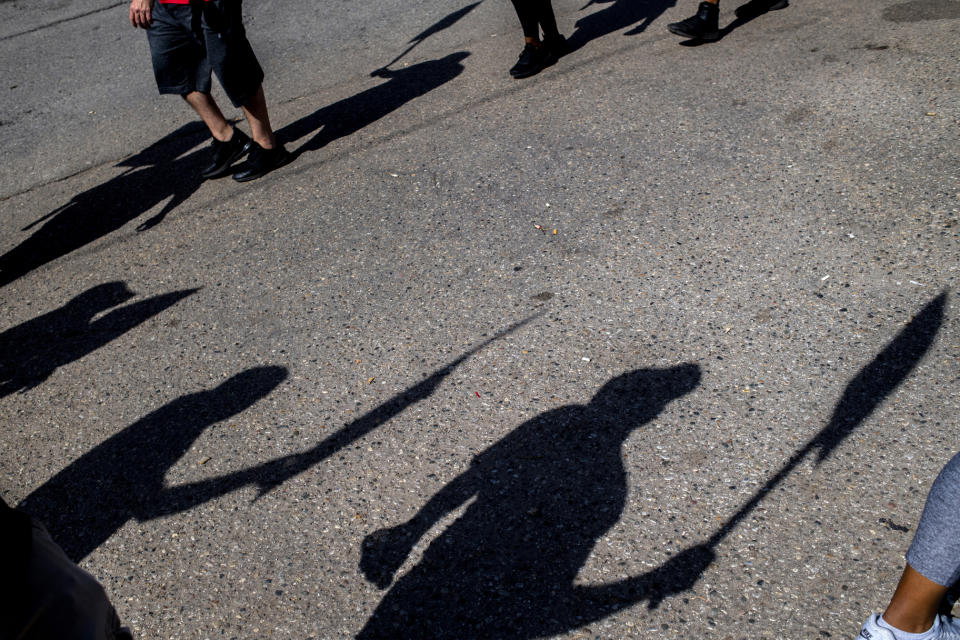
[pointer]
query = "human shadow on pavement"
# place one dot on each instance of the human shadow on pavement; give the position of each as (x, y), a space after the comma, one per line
(273, 473)
(619, 14)
(437, 27)
(869, 388)
(122, 478)
(544, 495)
(549, 490)
(32, 351)
(744, 15)
(157, 174)
(348, 116)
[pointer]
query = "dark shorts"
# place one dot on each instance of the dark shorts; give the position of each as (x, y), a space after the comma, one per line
(183, 60)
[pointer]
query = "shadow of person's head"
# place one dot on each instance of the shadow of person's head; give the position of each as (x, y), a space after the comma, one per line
(635, 397)
(101, 297)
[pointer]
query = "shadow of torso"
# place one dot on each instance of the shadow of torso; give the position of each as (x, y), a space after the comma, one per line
(544, 495)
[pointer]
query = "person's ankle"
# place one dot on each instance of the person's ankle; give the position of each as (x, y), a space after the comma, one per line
(908, 624)
(223, 134)
(266, 143)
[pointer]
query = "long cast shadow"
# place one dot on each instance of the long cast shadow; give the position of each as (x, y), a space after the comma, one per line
(619, 14)
(738, 22)
(544, 495)
(272, 473)
(123, 477)
(32, 351)
(862, 395)
(160, 172)
(548, 491)
(348, 116)
(444, 23)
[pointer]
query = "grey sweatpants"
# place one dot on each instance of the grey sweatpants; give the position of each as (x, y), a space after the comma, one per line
(935, 551)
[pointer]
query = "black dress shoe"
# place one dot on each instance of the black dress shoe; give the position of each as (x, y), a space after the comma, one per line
(226, 153)
(261, 161)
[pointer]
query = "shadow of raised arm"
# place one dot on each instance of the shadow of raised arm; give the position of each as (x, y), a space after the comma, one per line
(385, 550)
(268, 475)
(678, 574)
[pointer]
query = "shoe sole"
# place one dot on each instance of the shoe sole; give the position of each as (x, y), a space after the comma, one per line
(247, 178)
(707, 37)
(225, 170)
(521, 76)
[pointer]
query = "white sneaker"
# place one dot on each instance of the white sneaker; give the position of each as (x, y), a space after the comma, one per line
(873, 631)
(944, 628)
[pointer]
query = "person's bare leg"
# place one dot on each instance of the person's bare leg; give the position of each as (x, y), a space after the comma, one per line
(915, 603)
(211, 115)
(256, 112)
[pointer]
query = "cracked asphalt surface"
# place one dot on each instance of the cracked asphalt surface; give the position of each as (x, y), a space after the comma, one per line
(659, 343)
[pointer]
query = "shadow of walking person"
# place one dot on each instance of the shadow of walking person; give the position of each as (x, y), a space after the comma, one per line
(160, 172)
(123, 477)
(544, 495)
(32, 351)
(550, 489)
(746, 12)
(348, 116)
(619, 14)
(873, 384)
(444, 23)
(271, 474)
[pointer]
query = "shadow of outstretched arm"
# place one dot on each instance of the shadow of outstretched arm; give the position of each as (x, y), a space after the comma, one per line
(865, 392)
(675, 576)
(876, 381)
(273, 473)
(122, 478)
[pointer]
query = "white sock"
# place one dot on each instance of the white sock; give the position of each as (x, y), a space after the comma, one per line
(903, 635)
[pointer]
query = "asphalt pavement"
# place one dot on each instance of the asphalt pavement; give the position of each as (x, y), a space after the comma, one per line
(663, 342)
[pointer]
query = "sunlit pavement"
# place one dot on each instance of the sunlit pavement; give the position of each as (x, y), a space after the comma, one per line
(659, 343)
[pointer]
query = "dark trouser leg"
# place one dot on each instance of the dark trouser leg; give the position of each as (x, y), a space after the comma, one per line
(548, 22)
(527, 12)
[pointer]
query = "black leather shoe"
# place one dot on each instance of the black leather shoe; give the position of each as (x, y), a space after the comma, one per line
(226, 153)
(703, 26)
(756, 8)
(533, 59)
(261, 161)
